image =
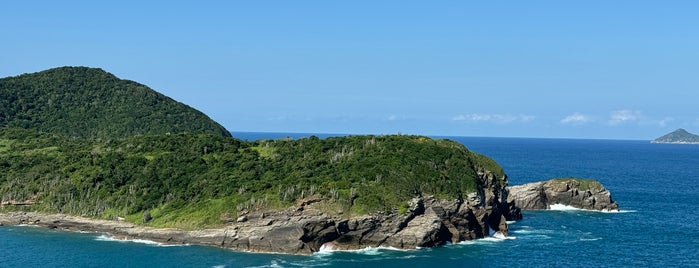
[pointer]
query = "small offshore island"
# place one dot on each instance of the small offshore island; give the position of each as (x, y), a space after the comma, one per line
(81, 149)
(679, 136)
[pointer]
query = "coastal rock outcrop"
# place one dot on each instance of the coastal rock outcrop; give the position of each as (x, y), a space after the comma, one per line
(427, 222)
(578, 193)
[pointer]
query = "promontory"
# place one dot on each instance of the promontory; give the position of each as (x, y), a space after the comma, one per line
(83, 149)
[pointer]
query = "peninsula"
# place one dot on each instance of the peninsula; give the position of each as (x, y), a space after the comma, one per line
(78, 141)
(81, 149)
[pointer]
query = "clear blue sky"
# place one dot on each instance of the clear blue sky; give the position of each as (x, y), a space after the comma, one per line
(564, 69)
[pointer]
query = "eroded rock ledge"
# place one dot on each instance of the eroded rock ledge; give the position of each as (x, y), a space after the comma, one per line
(305, 229)
(578, 193)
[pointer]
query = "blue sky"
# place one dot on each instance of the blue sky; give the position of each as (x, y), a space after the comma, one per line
(561, 69)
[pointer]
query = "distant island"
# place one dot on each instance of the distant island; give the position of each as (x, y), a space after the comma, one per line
(679, 136)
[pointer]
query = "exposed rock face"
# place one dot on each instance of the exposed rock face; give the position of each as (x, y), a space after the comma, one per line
(303, 229)
(584, 194)
(428, 222)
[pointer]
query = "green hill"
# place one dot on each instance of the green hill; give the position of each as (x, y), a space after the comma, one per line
(190, 181)
(678, 136)
(91, 103)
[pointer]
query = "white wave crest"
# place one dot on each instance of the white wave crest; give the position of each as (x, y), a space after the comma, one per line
(495, 238)
(109, 238)
(328, 249)
(500, 235)
(531, 231)
(618, 211)
(561, 207)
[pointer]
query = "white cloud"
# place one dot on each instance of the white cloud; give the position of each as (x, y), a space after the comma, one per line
(494, 118)
(656, 122)
(623, 116)
(664, 121)
(471, 117)
(576, 118)
(526, 118)
(277, 118)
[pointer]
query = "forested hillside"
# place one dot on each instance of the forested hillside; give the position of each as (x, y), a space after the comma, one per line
(91, 103)
(80, 141)
(189, 180)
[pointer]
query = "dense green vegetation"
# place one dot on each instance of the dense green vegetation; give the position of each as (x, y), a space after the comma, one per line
(194, 180)
(81, 141)
(91, 103)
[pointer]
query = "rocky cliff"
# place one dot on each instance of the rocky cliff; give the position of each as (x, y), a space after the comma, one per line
(305, 228)
(579, 193)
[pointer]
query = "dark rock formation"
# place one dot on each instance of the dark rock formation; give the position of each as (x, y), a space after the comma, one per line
(147, 217)
(428, 222)
(584, 194)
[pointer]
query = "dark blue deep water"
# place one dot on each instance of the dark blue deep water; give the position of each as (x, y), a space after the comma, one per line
(658, 226)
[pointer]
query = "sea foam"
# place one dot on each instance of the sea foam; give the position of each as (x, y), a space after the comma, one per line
(561, 207)
(496, 237)
(108, 238)
(327, 249)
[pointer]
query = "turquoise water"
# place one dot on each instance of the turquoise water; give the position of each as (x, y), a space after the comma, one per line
(655, 185)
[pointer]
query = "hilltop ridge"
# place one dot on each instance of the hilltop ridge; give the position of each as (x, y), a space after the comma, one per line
(92, 103)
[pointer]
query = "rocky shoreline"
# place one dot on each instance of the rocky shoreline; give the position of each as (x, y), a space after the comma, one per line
(301, 230)
(305, 229)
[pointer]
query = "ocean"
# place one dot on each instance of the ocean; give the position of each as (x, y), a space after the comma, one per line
(656, 186)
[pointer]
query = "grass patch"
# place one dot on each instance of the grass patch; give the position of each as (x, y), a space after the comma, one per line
(266, 152)
(51, 150)
(582, 184)
(5, 145)
(206, 214)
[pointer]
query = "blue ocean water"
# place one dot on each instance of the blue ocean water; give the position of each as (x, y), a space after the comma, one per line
(658, 226)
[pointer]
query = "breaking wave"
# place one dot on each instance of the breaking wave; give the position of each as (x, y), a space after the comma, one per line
(561, 207)
(327, 249)
(109, 238)
(496, 237)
